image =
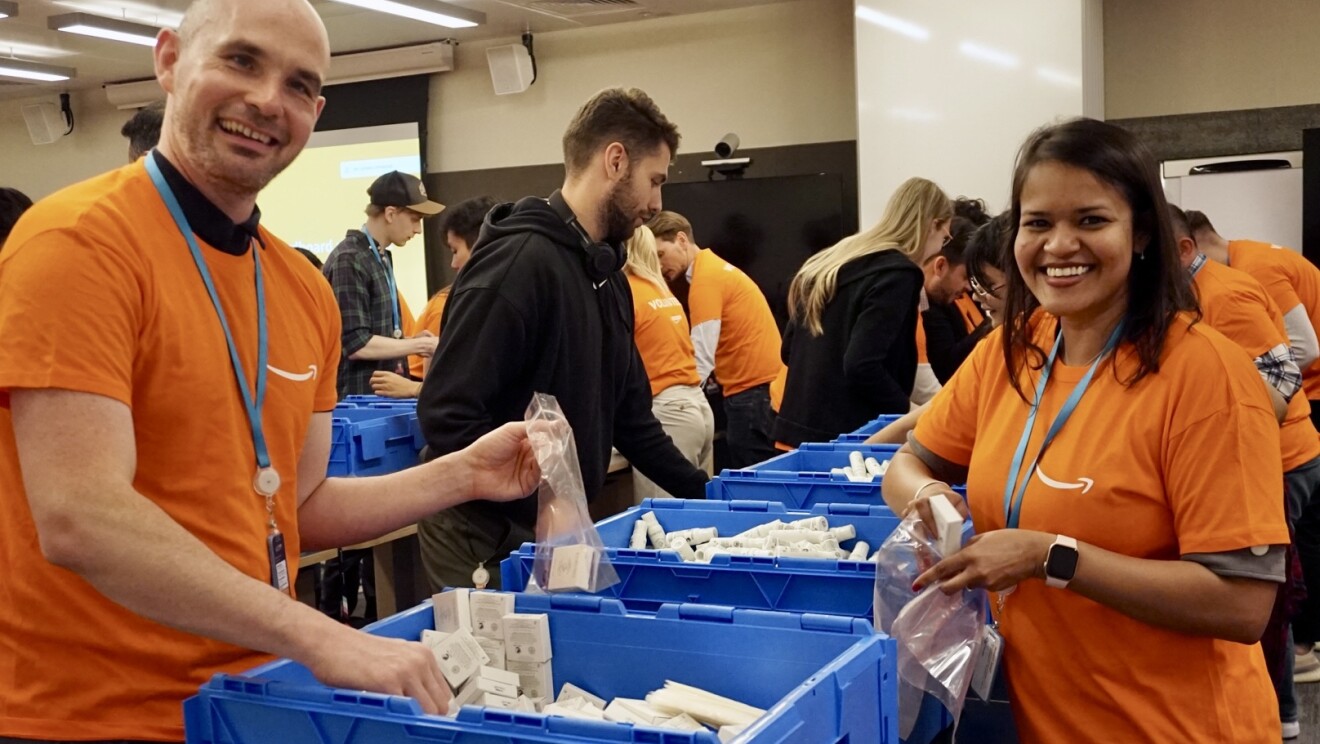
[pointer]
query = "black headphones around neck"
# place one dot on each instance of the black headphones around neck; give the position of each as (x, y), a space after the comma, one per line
(600, 259)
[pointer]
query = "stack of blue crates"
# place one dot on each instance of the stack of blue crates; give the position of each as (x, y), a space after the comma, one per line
(374, 436)
(820, 678)
(861, 435)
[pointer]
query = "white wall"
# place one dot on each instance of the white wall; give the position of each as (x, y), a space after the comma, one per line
(949, 89)
(95, 146)
(1178, 57)
(777, 74)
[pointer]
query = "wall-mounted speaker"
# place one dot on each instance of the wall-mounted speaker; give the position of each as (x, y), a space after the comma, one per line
(44, 122)
(511, 68)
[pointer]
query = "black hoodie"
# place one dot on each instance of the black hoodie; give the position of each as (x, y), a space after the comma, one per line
(524, 317)
(864, 363)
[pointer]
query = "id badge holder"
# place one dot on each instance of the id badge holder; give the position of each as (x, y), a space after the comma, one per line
(279, 564)
(988, 658)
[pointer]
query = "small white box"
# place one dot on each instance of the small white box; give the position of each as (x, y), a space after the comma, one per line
(494, 648)
(576, 708)
(571, 691)
(498, 682)
(432, 638)
(452, 611)
(467, 695)
(535, 678)
(491, 700)
(682, 722)
(625, 710)
(527, 637)
(488, 611)
(573, 568)
(459, 657)
(948, 525)
(526, 705)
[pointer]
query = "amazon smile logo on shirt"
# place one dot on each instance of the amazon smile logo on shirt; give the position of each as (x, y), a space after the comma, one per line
(310, 374)
(1083, 483)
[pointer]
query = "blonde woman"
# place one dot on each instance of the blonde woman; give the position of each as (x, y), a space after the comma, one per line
(850, 344)
(662, 336)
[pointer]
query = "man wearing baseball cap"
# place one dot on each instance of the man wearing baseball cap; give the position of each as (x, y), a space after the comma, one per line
(361, 271)
(376, 335)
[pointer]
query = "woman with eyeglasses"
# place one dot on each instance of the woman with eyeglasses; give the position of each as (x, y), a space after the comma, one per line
(1123, 469)
(850, 344)
(986, 255)
(987, 258)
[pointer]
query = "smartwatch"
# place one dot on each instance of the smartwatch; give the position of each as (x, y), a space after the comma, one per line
(1061, 562)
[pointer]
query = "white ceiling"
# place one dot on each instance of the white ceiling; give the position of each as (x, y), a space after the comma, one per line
(97, 61)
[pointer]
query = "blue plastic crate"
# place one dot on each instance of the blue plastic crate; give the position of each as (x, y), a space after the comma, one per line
(650, 578)
(797, 491)
(373, 441)
(821, 457)
(822, 679)
(376, 401)
(868, 429)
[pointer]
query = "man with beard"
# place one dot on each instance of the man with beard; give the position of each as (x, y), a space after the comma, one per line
(167, 481)
(543, 306)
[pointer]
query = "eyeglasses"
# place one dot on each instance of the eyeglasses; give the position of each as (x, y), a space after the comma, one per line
(982, 291)
(948, 238)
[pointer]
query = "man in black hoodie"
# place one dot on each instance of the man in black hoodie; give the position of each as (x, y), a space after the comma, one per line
(542, 306)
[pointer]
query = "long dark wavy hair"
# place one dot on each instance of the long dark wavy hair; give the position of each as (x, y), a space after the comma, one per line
(1158, 287)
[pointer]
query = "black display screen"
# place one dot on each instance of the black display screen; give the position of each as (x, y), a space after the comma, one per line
(765, 226)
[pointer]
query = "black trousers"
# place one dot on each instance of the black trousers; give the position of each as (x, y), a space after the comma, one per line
(750, 423)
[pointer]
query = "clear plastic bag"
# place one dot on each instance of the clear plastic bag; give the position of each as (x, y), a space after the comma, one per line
(939, 636)
(570, 556)
(906, 554)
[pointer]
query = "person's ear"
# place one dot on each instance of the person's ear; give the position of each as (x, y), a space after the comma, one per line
(616, 161)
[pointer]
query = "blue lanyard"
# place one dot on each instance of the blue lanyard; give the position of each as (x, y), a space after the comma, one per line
(253, 405)
(389, 278)
(1013, 495)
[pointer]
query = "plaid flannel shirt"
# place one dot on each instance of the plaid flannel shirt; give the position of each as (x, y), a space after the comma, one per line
(1277, 366)
(362, 289)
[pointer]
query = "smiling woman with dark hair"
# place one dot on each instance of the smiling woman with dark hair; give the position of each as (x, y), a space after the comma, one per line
(1122, 464)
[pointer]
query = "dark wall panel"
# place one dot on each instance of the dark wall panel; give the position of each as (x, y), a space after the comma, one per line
(511, 184)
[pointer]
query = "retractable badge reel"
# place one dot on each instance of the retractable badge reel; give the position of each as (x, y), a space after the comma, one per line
(267, 484)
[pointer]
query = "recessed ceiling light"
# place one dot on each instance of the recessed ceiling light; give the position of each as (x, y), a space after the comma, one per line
(103, 28)
(429, 11)
(126, 10)
(15, 68)
(8, 9)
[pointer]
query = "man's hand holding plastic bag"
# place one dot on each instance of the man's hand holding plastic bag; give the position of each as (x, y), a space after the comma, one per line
(570, 556)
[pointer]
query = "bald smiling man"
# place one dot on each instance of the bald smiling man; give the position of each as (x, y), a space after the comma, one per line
(167, 481)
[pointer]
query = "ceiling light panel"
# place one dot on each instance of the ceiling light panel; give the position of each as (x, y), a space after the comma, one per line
(87, 24)
(427, 11)
(33, 71)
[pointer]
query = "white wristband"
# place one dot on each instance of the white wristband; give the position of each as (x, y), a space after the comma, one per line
(917, 494)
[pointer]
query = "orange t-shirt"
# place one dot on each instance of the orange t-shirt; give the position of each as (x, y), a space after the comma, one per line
(1290, 279)
(1236, 305)
(660, 330)
(132, 321)
(921, 342)
(429, 320)
(971, 313)
(733, 331)
(1185, 461)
